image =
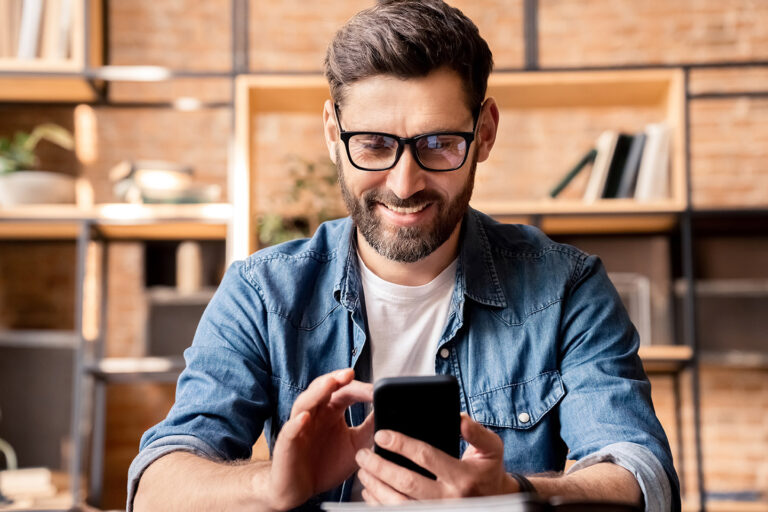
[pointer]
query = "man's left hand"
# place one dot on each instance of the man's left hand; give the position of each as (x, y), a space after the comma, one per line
(480, 472)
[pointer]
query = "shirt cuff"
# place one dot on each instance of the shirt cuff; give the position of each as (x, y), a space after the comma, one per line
(159, 448)
(645, 467)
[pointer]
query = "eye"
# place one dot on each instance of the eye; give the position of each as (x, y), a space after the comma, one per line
(374, 142)
(442, 143)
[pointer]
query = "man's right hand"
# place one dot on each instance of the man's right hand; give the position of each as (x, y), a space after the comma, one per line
(315, 450)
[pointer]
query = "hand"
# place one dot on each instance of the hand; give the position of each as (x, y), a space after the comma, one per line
(480, 472)
(315, 450)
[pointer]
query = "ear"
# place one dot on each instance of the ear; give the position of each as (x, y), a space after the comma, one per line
(487, 126)
(330, 129)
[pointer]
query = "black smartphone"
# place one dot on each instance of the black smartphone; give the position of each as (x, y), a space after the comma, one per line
(425, 408)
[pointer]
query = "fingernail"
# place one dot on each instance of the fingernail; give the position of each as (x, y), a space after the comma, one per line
(361, 455)
(382, 438)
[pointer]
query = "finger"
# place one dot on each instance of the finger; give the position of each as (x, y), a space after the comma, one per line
(385, 474)
(362, 435)
(368, 498)
(379, 491)
(352, 393)
(320, 390)
(424, 454)
(294, 426)
(483, 440)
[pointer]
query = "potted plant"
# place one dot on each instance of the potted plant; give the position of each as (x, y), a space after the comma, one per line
(20, 182)
(314, 197)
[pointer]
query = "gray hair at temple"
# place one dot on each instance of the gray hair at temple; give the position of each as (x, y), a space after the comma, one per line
(409, 39)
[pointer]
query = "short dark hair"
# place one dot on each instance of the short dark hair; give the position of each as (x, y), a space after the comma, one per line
(409, 39)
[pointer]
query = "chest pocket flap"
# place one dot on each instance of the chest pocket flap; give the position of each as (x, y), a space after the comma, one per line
(520, 405)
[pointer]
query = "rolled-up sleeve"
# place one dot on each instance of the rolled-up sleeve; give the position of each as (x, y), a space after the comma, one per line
(643, 465)
(607, 400)
(222, 396)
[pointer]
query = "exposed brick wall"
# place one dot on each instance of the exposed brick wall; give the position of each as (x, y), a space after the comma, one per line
(37, 285)
(574, 33)
(729, 152)
(293, 35)
(739, 79)
(178, 34)
(199, 139)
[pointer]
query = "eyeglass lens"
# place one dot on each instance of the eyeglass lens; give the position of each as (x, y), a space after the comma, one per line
(438, 152)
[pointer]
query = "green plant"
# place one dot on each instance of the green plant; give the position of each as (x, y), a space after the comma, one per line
(17, 153)
(314, 195)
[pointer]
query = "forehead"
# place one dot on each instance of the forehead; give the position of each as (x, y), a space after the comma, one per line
(387, 103)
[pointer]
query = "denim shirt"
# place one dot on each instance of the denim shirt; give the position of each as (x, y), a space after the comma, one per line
(537, 337)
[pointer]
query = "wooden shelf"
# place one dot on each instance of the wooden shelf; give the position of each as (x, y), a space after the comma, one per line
(131, 369)
(117, 221)
(38, 338)
(729, 288)
(50, 88)
(658, 90)
(665, 358)
(58, 80)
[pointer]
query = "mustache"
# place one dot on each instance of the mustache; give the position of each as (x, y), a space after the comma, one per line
(372, 197)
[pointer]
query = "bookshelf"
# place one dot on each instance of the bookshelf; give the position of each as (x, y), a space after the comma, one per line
(650, 94)
(85, 228)
(63, 78)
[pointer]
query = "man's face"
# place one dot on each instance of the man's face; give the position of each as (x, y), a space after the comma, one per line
(405, 213)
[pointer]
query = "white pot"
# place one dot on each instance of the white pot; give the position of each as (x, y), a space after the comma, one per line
(36, 187)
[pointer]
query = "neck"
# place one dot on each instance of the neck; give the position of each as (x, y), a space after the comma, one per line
(410, 274)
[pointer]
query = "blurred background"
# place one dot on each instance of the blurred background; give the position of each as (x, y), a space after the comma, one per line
(196, 139)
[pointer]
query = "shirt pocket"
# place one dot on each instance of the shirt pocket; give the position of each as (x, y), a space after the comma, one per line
(521, 405)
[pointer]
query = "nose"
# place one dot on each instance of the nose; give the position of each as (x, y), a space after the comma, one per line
(406, 177)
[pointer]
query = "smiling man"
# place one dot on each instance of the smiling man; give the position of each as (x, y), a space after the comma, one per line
(414, 282)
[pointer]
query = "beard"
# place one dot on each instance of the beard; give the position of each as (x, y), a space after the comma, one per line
(406, 244)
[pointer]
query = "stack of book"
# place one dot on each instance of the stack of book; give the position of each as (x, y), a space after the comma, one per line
(35, 29)
(629, 166)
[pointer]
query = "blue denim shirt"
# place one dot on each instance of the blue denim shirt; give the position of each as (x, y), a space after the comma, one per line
(535, 327)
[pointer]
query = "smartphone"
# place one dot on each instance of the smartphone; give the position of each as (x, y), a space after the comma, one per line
(425, 408)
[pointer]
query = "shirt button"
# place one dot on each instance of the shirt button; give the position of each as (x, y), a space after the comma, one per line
(354, 351)
(444, 353)
(524, 417)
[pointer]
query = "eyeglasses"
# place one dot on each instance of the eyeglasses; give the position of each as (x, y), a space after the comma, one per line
(435, 151)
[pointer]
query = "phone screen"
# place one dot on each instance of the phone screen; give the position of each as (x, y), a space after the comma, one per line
(425, 408)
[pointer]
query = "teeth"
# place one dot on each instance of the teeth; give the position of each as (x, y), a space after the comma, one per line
(413, 209)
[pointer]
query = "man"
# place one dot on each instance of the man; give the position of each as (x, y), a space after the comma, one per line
(415, 282)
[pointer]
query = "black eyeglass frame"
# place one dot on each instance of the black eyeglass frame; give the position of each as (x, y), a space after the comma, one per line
(468, 137)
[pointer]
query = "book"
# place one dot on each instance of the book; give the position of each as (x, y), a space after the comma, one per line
(605, 146)
(616, 167)
(29, 32)
(653, 174)
(50, 33)
(13, 12)
(629, 174)
(5, 29)
(64, 42)
(585, 160)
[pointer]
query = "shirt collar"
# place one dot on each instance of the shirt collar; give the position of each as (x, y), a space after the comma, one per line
(477, 271)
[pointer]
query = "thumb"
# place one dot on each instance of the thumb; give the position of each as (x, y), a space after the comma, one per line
(482, 439)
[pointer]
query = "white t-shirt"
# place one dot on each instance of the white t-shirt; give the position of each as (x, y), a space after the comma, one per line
(406, 322)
